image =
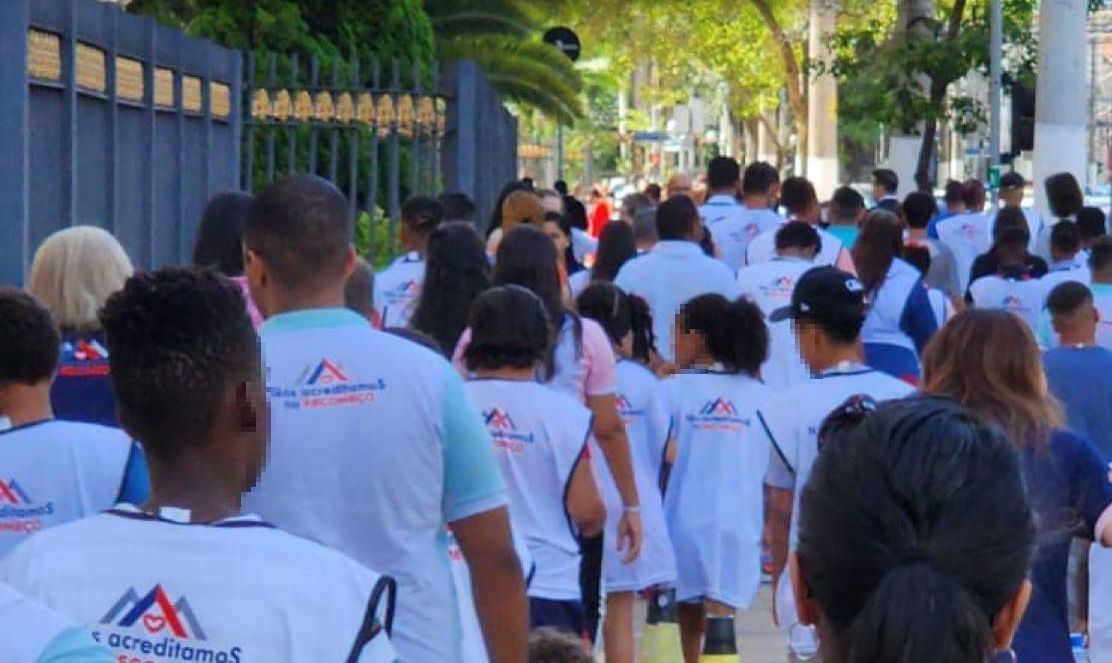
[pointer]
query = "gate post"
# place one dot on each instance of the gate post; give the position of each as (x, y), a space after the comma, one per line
(15, 16)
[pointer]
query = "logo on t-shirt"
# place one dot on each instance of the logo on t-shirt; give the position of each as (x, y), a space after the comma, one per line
(326, 384)
(1015, 305)
(403, 292)
(504, 431)
(18, 512)
(152, 624)
(780, 288)
(85, 358)
(719, 415)
(628, 413)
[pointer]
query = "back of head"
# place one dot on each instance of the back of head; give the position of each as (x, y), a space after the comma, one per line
(616, 245)
(797, 195)
(918, 209)
(1065, 240)
(301, 229)
(845, 206)
(74, 272)
(723, 173)
(178, 340)
(457, 270)
(887, 179)
(29, 353)
(798, 235)
(735, 332)
(677, 218)
(1100, 256)
(561, 187)
(678, 184)
(1007, 219)
(509, 329)
(653, 191)
(1002, 380)
(1091, 223)
(880, 241)
(634, 203)
(1066, 299)
(915, 533)
(919, 257)
(496, 214)
(973, 195)
(359, 289)
(522, 208)
(758, 178)
(644, 227)
(458, 206)
(547, 645)
(1063, 195)
(953, 194)
(422, 214)
(219, 242)
(527, 257)
(609, 306)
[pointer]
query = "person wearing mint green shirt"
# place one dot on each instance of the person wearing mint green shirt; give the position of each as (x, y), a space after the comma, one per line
(844, 215)
(33, 632)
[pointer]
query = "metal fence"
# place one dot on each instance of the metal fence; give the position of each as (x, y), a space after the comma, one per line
(112, 120)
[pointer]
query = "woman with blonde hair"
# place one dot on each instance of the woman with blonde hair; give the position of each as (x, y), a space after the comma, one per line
(988, 361)
(520, 207)
(73, 273)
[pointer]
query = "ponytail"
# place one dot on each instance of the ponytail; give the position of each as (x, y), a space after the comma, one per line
(641, 324)
(918, 615)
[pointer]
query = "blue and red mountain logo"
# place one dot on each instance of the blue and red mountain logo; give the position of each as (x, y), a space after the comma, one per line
(409, 287)
(1013, 303)
(718, 415)
(498, 420)
(623, 403)
(324, 373)
(719, 407)
(89, 350)
(155, 613)
(19, 513)
(12, 493)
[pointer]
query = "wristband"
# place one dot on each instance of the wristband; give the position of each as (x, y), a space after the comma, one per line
(636, 508)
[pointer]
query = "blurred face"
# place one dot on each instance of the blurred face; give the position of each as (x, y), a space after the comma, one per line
(878, 191)
(552, 229)
(689, 347)
(252, 418)
(1012, 197)
(808, 339)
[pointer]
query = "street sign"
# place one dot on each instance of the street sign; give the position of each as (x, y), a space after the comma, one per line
(564, 39)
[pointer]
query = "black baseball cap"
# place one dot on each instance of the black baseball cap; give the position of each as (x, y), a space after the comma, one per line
(1012, 180)
(828, 296)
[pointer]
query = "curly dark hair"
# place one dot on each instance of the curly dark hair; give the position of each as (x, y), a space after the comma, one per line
(619, 314)
(29, 353)
(735, 332)
(176, 338)
(509, 329)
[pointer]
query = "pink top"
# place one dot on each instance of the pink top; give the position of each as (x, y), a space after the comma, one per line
(595, 374)
(252, 310)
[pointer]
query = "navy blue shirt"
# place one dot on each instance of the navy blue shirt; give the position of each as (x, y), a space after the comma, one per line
(1081, 378)
(1069, 489)
(82, 391)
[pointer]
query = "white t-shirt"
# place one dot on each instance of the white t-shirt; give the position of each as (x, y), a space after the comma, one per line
(670, 275)
(733, 226)
(714, 502)
(1100, 604)
(1034, 226)
(967, 236)
(397, 289)
(578, 282)
(941, 306)
(1022, 297)
(763, 248)
(53, 472)
(237, 589)
(374, 447)
(647, 423)
(770, 285)
(539, 436)
(33, 632)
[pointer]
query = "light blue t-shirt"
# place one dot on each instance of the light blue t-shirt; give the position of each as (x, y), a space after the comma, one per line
(375, 446)
(1081, 378)
(733, 226)
(75, 646)
(669, 276)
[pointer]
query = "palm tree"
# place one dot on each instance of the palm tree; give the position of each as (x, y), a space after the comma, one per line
(503, 37)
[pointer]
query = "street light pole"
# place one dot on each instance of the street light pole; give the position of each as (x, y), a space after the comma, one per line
(996, 53)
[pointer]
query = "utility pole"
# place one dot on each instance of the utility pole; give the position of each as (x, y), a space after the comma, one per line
(996, 48)
(822, 104)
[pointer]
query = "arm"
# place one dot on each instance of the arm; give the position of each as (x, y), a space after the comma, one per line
(918, 319)
(610, 433)
(496, 583)
(583, 502)
(845, 262)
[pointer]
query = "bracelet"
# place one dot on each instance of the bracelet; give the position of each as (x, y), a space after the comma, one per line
(636, 508)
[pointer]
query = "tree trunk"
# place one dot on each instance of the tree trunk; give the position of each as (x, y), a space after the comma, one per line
(937, 99)
(793, 75)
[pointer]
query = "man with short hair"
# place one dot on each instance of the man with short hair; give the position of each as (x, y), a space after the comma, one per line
(652, 190)
(458, 206)
(734, 224)
(1091, 223)
(969, 234)
(644, 230)
(1010, 288)
(679, 184)
(676, 270)
(632, 205)
(1079, 371)
(51, 471)
(845, 214)
(953, 205)
(398, 287)
(918, 210)
(827, 312)
(375, 445)
(798, 197)
(1065, 246)
(886, 184)
(770, 285)
(188, 575)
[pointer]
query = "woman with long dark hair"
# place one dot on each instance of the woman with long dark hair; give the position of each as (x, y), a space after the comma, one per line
(616, 246)
(915, 536)
(900, 319)
(457, 271)
(988, 361)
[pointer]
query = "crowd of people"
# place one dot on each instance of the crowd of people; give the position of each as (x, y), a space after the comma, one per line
(492, 449)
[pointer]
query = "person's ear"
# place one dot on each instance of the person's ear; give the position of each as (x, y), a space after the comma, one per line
(806, 607)
(349, 260)
(1007, 620)
(246, 410)
(254, 267)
